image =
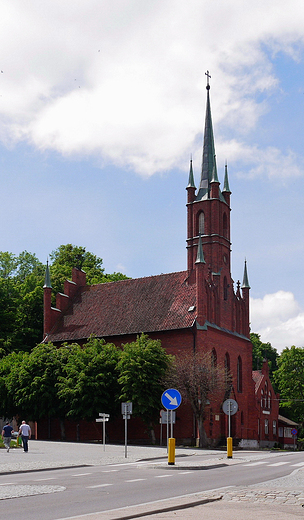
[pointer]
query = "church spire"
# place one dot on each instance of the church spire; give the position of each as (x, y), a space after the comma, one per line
(47, 280)
(226, 182)
(191, 183)
(208, 162)
(200, 253)
(245, 284)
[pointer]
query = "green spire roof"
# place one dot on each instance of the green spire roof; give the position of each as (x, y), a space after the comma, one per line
(245, 284)
(214, 177)
(208, 153)
(200, 253)
(191, 183)
(47, 280)
(226, 182)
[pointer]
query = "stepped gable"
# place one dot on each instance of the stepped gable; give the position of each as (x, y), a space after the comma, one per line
(155, 303)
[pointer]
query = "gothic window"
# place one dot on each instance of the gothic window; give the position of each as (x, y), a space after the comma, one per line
(262, 398)
(274, 427)
(239, 375)
(265, 395)
(227, 361)
(201, 223)
(269, 399)
(213, 357)
(225, 226)
(266, 426)
(225, 288)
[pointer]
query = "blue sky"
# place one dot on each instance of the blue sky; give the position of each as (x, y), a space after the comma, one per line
(103, 103)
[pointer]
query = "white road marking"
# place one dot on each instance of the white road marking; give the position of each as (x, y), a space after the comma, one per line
(135, 480)
(256, 463)
(163, 476)
(298, 464)
(81, 474)
(99, 485)
(279, 464)
(109, 470)
(42, 479)
(184, 472)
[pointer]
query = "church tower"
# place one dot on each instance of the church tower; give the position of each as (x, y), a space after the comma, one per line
(208, 238)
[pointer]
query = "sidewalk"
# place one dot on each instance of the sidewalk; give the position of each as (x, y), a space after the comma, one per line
(283, 497)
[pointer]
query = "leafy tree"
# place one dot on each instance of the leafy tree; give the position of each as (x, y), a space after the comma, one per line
(290, 382)
(9, 364)
(200, 380)
(142, 368)
(89, 383)
(261, 351)
(65, 257)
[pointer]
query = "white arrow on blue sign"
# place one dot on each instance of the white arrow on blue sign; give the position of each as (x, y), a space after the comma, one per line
(171, 399)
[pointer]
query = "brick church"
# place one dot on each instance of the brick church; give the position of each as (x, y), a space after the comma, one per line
(198, 309)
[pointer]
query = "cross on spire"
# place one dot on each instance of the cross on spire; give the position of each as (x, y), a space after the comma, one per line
(208, 76)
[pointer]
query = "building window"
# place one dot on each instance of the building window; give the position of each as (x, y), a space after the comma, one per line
(266, 427)
(225, 226)
(225, 288)
(281, 431)
(262, 398)
(239, 375)
(213, 358)
(269, 400)
(265, 395)
(274, 427)
(201, 223)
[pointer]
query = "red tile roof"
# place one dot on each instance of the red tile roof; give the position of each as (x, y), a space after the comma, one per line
(257, 377)
(156, 303)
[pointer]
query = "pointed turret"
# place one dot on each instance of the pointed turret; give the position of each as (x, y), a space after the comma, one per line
(226, 189)
(47, 279)
(245, 296)
(191, 185)
(214, 183)
(245, 284)
(200, 253)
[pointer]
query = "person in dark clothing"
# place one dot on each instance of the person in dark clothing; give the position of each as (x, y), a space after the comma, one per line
(7, 435)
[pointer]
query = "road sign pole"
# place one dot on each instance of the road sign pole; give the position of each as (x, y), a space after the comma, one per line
(171, 424)
(104, 435)
(126, 435)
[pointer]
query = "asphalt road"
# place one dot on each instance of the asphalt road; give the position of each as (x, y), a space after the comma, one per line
(99, 488)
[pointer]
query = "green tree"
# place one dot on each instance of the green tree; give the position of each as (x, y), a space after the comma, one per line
(88, 384)
(65, 257)
(290, 382)
(142, 368)
(9, 364)
(261, 351)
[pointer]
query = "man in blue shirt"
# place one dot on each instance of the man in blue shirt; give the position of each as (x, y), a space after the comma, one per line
(7, 435)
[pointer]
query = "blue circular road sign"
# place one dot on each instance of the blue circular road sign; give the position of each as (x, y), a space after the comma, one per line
(171, 399)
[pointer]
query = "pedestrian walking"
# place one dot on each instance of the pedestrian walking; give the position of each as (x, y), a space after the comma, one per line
(7, 435)
(25, 432)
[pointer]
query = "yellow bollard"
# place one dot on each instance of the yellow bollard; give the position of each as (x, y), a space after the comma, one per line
(171, 451)
(229, 447)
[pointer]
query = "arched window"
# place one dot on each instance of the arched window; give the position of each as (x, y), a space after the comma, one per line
(225, 226)
(227, 361)
(213, 357)
(225, 288)
(265, 395)
(269, 399)
(201, 223)
(262, 398)
(239, 375)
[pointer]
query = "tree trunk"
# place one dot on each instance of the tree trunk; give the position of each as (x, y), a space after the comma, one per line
(62, 429)
(203, 440)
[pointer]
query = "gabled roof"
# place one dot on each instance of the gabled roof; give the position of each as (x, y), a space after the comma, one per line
(257, 377)
(155, 303)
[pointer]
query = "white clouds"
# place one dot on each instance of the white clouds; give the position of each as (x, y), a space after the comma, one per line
(140, 68)
(278, 319)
